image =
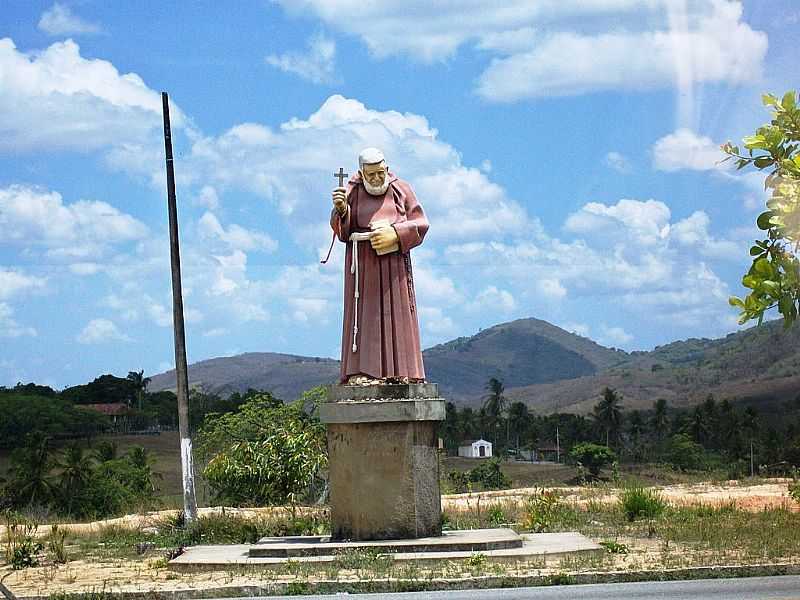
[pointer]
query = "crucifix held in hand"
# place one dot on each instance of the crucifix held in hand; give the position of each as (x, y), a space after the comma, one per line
(341, 175)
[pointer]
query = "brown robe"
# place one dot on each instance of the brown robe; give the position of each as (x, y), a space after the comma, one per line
(388, 331)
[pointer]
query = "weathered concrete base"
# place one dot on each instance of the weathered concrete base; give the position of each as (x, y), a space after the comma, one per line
(383, 461)
(533, 547)
(468, 540)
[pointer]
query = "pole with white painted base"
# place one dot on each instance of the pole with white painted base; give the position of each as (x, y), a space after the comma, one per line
(182, 387)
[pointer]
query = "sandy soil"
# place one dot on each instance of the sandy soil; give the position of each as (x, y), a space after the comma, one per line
(773, 494)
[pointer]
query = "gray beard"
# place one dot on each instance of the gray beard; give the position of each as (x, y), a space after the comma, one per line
(376, 191)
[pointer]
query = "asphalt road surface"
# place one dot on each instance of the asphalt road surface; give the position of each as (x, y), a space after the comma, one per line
(749, 588)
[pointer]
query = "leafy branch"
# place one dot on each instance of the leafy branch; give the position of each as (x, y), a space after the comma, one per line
(774, 276)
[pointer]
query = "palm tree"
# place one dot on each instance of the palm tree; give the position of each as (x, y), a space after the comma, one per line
(608, 414)
(495, 404)
(105, 451)
(660, 421)
(519, 418)
(77, 468)
(141, 458)
(140, 383)
(29, 471)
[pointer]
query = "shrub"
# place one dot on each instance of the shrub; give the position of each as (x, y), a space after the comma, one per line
(541, 511)
(641, 503)
(264, 453)
(592, 456)
(683, 453)
(458, 481)
(22, 549)
(489, 475)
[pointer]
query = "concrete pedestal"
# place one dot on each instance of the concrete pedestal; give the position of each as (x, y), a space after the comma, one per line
(383, 461)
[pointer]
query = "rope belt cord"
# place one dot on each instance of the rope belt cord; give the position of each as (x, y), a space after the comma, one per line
(356, 237)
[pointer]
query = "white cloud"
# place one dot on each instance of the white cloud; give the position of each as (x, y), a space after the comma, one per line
(9, 327)
(551, 288)
(648, 221)
(57, 99)
(305, 310)
(60, 20)
(33, 217)
(434, 323)
(494, 301)
(614, 336)
(235, 236)
(216, 332)
(581, 329)
(556, 48)
(618, 162)
(685, 149)
(206, 197)
(13, 282)
(317, 64)
(99, 331)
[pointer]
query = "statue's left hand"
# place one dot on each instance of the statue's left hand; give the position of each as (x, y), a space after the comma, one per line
(383, 238)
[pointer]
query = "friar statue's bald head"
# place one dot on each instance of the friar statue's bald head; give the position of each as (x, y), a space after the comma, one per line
(374, 172)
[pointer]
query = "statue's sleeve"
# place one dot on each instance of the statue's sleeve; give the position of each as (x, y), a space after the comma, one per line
(341, 224)
(411, 231)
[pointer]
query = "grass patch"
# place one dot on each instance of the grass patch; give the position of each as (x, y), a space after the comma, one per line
(641, 503)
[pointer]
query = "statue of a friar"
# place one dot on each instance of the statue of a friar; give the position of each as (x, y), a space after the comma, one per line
(379, 218)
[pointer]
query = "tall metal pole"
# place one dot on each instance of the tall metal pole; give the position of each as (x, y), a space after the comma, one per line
(187, 463)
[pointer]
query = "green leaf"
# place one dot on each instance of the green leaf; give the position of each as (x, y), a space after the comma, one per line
(769, 100)
(756, 250)
(788, 102)
(737, 302)
(763, 161)
(763, 219)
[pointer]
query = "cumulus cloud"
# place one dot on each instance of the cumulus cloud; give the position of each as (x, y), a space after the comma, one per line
(13, 282)
(567, 47)
(316, 64)
(34, 217)
(618, 162)
(56, 99)
(60, 20)
(614, 336)
(235, 236)
(99, 331)
(9, 327)
(685, 149)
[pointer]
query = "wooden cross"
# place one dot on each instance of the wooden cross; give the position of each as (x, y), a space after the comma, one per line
(341, 175)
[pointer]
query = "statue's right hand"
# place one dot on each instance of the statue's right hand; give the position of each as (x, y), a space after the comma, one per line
(340, 200)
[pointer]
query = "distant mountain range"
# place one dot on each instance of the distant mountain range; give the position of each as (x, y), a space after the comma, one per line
(549, 369)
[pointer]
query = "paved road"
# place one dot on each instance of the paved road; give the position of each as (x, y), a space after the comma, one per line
(750, 588)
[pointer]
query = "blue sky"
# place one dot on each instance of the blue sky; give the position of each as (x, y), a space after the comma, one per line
(565, 152)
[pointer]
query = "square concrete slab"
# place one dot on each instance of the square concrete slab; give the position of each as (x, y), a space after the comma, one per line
(473, 540)
(534, 546)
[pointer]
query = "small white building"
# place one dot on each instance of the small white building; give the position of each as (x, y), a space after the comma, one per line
(475, 449)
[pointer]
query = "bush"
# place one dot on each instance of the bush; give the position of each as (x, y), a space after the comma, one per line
(264, 453)
(592, 456)
(683, 453)
(542, 510)
(489, 475)
(458, 481)
(641, 503)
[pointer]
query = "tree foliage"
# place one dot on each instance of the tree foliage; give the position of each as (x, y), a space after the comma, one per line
(774, 276)
(264, 453)
(592, 456)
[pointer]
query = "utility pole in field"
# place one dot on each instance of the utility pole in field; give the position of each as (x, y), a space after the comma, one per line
(182, 388)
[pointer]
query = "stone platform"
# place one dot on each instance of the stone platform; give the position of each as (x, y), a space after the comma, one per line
(383, 462)
(476, 540)
(532, 547)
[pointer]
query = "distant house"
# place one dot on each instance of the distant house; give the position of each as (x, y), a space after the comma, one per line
(115, 410)
(475, 449)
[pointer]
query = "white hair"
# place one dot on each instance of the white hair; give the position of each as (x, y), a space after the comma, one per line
(370, 156)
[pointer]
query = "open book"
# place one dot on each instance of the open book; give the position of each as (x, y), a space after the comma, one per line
(381, 224)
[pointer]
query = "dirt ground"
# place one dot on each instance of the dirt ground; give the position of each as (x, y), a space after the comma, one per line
(773, 494)
(149, 573)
